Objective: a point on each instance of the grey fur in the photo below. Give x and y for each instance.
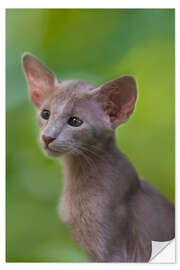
(112, 213)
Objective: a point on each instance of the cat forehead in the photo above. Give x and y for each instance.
(73, 89)
(69, 92)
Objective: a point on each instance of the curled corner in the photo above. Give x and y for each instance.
(163, 252)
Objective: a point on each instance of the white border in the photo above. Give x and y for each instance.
(71, 4)
(90, 4)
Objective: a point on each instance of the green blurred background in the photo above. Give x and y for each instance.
(94, 45)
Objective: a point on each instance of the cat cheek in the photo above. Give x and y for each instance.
(40, 140)
(42, 123)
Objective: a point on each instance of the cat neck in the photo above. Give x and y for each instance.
(100, 164)
(91, 157)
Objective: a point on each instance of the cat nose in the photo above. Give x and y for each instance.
(47, 139)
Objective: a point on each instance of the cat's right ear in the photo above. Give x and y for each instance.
(40, 80)
(117, 98)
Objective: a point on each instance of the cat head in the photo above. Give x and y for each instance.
(74, 115)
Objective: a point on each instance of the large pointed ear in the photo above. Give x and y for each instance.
(40, 80)
(117, 98)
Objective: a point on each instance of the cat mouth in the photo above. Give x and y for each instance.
(52, 152)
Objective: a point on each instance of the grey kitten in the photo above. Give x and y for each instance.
(112, 213)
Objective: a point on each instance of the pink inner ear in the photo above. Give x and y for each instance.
(118, 98)
(128, 107)
(112, 110)
(37, 88)
(36, 98)
(41, 81)
(35, 95)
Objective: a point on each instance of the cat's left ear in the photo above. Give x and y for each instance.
(40, 79)
(117, 98)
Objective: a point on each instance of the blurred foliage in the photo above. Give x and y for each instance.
(95, 45)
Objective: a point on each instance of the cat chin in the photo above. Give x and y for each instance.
(53, 153)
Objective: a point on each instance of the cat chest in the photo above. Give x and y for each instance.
(85, 219)
(77, 210)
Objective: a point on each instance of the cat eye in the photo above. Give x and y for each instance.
(45, 114)
(75, 121)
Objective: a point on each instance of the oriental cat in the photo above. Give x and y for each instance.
(112, 213)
